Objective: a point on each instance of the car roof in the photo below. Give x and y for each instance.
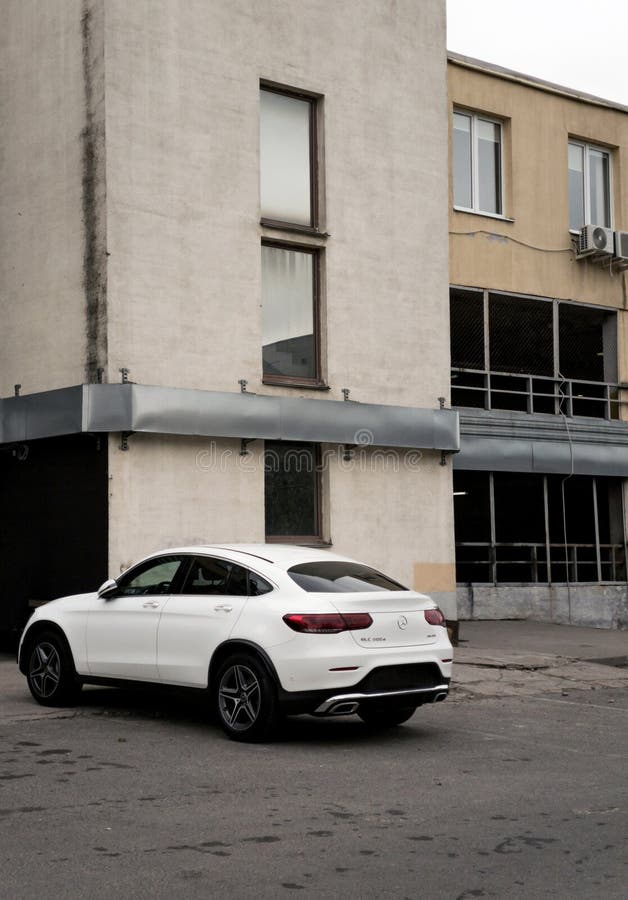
(283, 555)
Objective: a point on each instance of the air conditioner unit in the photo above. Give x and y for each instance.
(621, 244)
(595, 239)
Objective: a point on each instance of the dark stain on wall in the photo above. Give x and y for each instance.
(94, 190)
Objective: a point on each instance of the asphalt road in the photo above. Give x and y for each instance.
(480, 796)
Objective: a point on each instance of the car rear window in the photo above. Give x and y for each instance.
(339, 577)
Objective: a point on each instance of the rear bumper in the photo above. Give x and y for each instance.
(390, 687)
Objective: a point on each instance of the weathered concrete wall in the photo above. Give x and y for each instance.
(595, 605)
(131, 233)
(184, 233)
(51, 189)
(382, 506)
(183, 188)
(173, 491)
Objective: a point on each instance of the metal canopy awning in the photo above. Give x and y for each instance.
(164, 410)
(500, 441)
(498, 455)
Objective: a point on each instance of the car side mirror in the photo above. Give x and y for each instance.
(107, 586)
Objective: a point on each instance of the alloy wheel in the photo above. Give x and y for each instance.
(239, 697)
(45, 669)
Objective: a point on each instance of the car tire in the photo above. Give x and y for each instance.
(50, 674)
(385, 718)
(245, 699)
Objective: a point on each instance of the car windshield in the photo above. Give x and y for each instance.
(335, 576)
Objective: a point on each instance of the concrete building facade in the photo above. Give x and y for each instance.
(187, 358)
(539, 347)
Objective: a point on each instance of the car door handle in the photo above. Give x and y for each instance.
(223, 607)
(151, 604)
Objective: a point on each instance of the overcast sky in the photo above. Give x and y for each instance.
(582, 44)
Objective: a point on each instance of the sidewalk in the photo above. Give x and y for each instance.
(513, 657)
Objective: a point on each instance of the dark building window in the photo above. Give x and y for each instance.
(520, 335)
(528, 528)
(535, 356)
(292, 491)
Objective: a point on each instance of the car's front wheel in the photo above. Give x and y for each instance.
(385, 718)
(51, 677)
(246, 699)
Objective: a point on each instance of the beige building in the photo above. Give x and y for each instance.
(539, 347)
(223, 285)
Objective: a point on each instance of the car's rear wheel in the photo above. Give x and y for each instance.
(246, 699)
(385, 718)
(51, 677)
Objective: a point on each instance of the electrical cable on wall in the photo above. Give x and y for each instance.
(506, 237)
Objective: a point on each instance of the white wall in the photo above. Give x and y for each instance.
(173, 491)
(162, 238)
(184, 288)
(184, 285)
(43, 114)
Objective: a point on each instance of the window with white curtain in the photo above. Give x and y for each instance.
(589, 186)
(287, 142)
(477, 163)
(289, 313)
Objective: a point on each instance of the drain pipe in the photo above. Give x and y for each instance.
(562, 497)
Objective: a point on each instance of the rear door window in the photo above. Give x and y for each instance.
(258, 585)
(208, 575)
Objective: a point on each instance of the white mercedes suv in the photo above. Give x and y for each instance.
(266, 630)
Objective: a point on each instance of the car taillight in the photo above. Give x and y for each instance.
(327, 623)
(434, 616)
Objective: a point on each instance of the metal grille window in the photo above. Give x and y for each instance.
(532, 355)
(519, 528)
(520, 335)
(468, 352)
(292, 488)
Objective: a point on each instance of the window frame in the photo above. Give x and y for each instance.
(586, 147)
(316, 538)
(313, 100)
(475, 208)
(317, 380)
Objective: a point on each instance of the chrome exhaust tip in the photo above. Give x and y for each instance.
(439, 697)
(344, 708)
